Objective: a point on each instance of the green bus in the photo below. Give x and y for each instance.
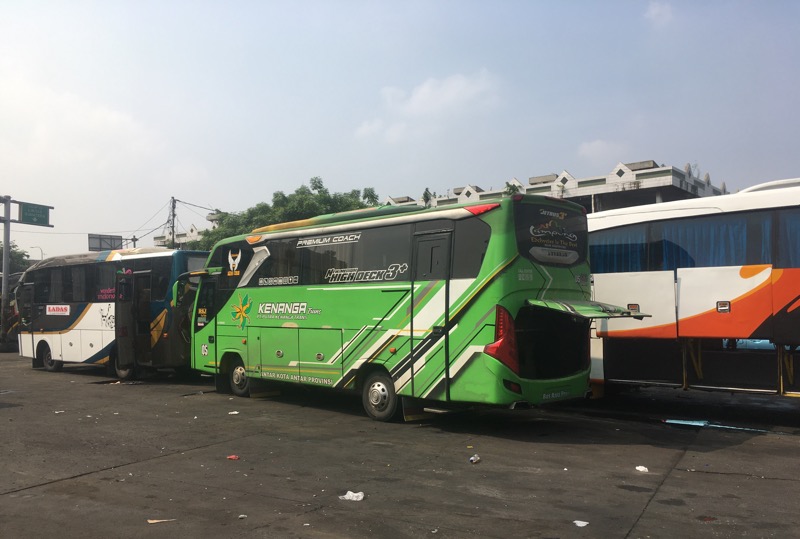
(482, 303)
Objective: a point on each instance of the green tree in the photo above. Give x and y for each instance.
(511, 189)
(370, 196)
(427, 196)
(19, 260)
(307, 201)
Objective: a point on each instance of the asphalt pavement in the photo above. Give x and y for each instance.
(86, 456)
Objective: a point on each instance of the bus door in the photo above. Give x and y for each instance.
(430, 317)
(26, 313)
(204, 331)
(132, 319)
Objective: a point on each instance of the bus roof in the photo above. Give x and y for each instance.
(779, 194)
(380, 212)
(100, 256)
(383, 215)
(341, 217)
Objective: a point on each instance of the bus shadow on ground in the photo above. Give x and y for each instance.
(572, 428)
(553, 424)
(664, 418)
(309, 397)
(688, 409)
(660, 417)
(98, 375)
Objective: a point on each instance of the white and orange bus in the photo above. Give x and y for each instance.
(720, 277)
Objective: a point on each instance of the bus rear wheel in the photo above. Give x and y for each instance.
(379, 398)
(123, 373)
(50, 364)
(240, 383)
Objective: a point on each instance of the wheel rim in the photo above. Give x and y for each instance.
(378, 396)
(239, 376)
(48, 359)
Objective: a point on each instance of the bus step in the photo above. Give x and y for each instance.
(436, 410)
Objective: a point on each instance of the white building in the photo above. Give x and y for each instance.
(628, 184)
(181, 238)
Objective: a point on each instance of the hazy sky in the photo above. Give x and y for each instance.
(109, 108)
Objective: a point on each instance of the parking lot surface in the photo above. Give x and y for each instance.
(86, 456)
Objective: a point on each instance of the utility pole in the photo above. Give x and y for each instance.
(172, 221)
(6, 263)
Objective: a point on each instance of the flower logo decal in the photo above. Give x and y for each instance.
(241, 312)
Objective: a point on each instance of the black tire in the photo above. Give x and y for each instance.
(123, 373)
(222, 383)
(49, 364)
(379, 398)
(239, 382)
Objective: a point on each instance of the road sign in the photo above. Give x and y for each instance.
(34, 214)
(102, 242)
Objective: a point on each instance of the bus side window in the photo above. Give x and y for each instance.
(205, 303)
(162, 269)
(469, 247)
(24, 304)
(41, 287)
(432, 260)
(56, 287)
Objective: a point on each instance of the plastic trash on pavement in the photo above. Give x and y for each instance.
(352, 496)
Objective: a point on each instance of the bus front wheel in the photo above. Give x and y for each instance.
(240, 383)
(50, 364)
(379, 398)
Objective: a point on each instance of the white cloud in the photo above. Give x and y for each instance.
(430, 105)
(602, 153)
(369, 128)
(453, 94)
(659, 13)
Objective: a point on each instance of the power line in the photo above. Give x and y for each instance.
(134, 239)
(195, 205)
(151, 218)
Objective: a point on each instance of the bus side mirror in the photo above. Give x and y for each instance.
(177, 292)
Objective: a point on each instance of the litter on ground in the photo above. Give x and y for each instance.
(352, 496)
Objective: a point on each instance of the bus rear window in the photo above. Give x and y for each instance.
(551, 235)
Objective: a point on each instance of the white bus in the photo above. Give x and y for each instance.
(110, 308)
(720, 277)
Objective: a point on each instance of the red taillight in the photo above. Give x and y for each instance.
(504, 347)
(483, 208)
